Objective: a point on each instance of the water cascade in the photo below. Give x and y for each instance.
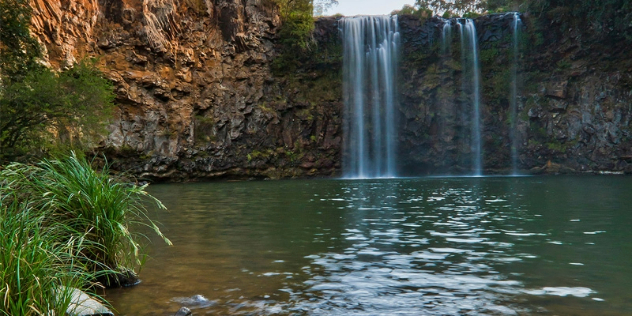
(446, 38)
(517, 23)
(447, 113)
(471, 66)
(371, 46)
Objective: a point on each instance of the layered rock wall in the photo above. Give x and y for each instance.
(574, 102)
(195, 92)
(202, 91)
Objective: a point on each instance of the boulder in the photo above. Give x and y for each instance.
(82, 304)
(183, 312)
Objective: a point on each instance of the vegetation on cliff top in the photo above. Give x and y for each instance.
(296, 35)
(607, 17)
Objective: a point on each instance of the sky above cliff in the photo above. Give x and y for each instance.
(368, 7)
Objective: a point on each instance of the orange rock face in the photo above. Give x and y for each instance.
(191, 80)
(65, 28)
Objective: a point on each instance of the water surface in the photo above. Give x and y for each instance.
(440, 246)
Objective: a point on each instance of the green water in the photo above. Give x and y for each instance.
(437, 246)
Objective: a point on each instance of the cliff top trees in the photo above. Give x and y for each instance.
(298, 22)
(308, 7)
(296, 32)
(41, 109)
(320, 6)
(452, 7)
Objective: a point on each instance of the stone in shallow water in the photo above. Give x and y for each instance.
(183, 312)
(83, 305)
(195, 301)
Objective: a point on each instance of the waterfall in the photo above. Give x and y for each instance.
(446, 38)
(469, 44)
(371, 47)
(446, 111)
(514, 94)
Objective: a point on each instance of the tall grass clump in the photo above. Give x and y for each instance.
(36, 270)
(80, 203)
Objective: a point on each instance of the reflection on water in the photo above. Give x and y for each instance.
(463, 246)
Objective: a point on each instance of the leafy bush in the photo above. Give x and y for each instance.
(45, 110)
(296, 34)
(421, 12)
(297, 29)
(453, 6)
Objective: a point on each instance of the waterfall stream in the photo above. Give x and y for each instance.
(514, 94)
(371, 47)
(446, 38)
(472, 84)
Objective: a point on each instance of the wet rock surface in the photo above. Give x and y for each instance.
(81, 304)
(183, 312)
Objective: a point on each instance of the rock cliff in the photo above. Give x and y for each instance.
(574, 102)
(202, 94)
(195, 92)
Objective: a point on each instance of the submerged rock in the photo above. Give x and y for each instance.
(183, 312)
(120, 279)
(195, 301)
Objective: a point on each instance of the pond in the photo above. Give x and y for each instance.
(423, 246)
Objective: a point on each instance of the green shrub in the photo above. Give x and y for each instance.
(471, 15)
(46, 110)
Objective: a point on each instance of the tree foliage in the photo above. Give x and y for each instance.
(297, 29)
(308, 7)
(601, 18)
(321, 6)
(452, 7)
(39, 108)
(298, 20)
(18, 50)
(44, 108)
